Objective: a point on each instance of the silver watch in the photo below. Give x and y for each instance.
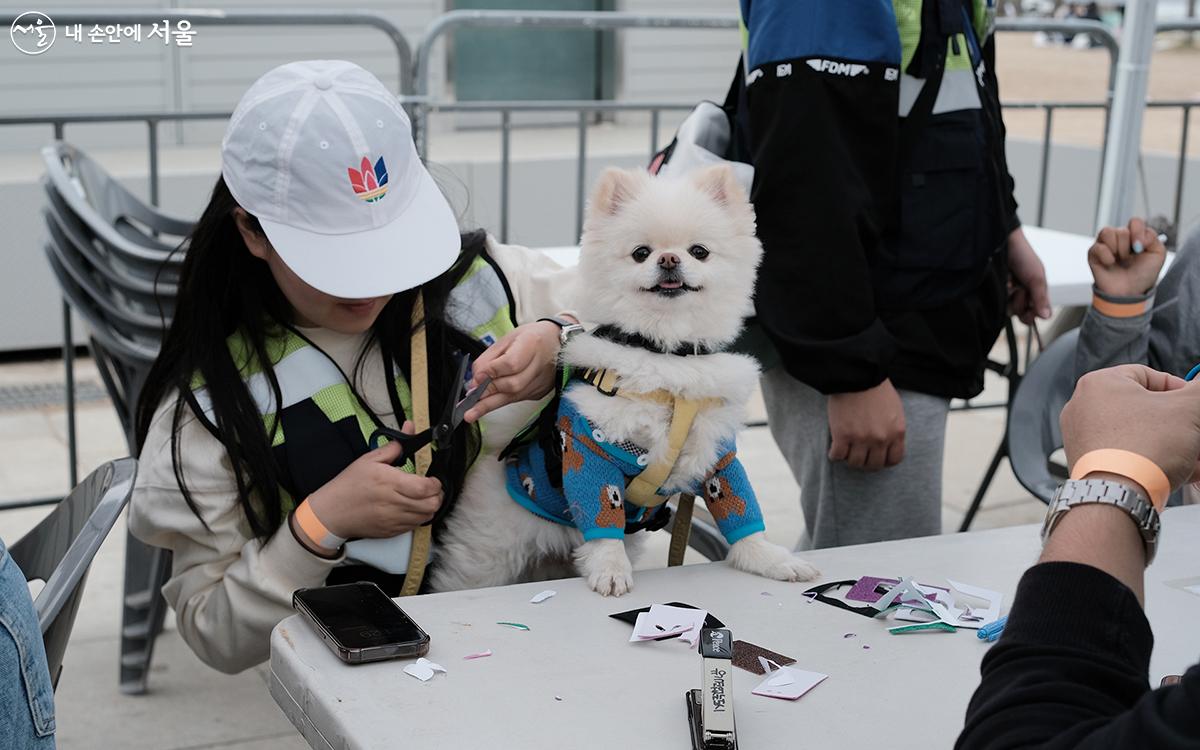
(566, 329)
(1074, 492)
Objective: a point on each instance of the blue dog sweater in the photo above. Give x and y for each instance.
(595, 472)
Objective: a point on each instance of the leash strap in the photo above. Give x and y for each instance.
(422, 536)
(643, 489)
(681, 530)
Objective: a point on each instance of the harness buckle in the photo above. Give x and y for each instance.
(653, 520)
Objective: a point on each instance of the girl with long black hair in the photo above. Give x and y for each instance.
(326, 294)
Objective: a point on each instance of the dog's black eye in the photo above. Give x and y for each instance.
(699, 252)
(640, 253)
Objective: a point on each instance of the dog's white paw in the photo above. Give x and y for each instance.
(605, 566)
(755, 554)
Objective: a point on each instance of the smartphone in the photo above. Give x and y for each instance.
(360, 623)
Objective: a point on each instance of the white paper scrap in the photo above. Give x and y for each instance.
(542, 596)
(788, 683)
(663, 620)
(423, 669)
(977, 606)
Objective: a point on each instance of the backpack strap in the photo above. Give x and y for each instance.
(422, 536)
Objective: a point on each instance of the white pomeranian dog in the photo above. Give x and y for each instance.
(666, 276)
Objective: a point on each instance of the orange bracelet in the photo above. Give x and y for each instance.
(1133, 466)
(1119, 309)
(314, 529)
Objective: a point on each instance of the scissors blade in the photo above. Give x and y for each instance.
(469, 400)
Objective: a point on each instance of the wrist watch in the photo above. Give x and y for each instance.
(566, 329)
(1075, 492)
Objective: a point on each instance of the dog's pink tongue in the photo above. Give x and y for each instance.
(670, 284)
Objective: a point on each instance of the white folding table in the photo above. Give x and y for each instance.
(904, 691)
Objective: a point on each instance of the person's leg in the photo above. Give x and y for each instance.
(26, 692)
(846, 506)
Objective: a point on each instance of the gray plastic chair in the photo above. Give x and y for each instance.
(117, 265)
(59, 550)
(1033, 431)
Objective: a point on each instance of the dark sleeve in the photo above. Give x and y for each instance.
(1009, 186)
(1071, 671)
(822, 121)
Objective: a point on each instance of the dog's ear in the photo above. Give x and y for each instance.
(615, 188)
(720, 182)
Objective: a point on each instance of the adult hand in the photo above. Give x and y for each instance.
(1118, 270)
(1134, 408)
(373, 499)
(1028, 296)
(867, 428)
(521, 365)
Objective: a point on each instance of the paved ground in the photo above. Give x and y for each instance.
(191, 706)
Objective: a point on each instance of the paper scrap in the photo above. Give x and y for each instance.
(542, 596)
(782, 677)
(479, 654)
(753, 658)
(514, 625)
(922, 627)
(979, 606)
(871, 588)
(1189, 585)
(788, 683)
(423, 669)
(662, 621)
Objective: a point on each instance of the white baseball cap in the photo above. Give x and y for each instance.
(322, 154)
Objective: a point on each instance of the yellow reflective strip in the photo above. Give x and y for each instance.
(908, 23)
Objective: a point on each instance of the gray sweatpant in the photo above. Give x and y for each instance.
(847, 506)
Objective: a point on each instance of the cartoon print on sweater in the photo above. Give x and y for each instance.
(529, 485)
(719, 495)
(596, 470)
(612, 508)
(572, 459)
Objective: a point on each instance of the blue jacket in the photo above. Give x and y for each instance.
(594, 475)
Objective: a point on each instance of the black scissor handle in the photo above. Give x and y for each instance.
(409, 444)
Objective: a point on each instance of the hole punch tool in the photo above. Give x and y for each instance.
(440, 433)
(710, 709)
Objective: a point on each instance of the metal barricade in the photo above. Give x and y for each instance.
(545, 20)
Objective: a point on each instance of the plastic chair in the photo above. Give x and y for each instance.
(116, 263)
(59, 550)
(1033, 430)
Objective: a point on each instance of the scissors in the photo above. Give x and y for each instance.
(441, 433)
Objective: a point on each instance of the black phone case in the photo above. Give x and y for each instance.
(382, 652)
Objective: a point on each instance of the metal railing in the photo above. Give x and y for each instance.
(152, 120)
(445, 25)
(415, 77)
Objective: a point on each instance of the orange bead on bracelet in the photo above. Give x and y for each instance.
(1133, 466)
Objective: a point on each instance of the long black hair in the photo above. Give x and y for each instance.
(223, 290)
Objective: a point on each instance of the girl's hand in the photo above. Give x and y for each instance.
(1117, 269)
(521, 366)
(374, 500)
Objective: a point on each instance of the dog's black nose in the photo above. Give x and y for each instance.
(668, 261)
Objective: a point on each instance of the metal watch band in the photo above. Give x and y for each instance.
(566, 329)
(1076, 492)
